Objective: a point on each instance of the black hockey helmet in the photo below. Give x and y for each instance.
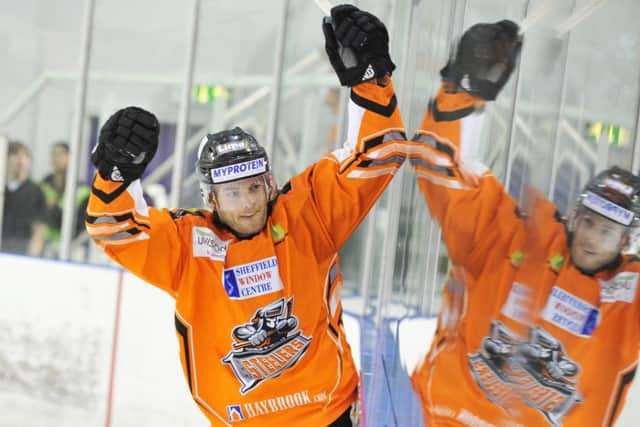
(230, 155)
(615, 194)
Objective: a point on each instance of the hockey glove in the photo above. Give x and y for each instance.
(126, 144)
(357, 44)
(484, 60)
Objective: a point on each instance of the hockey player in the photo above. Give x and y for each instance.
(547, 327)
(256, 277)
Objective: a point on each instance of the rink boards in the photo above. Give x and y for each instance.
(94, 346)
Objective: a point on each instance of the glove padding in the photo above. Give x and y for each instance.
(357, 44)
(485, 58)
(126, 144)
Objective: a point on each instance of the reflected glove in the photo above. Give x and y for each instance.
(357, 44)
(484, 59)
(126, 144)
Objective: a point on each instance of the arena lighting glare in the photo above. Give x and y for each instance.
(614, 134)
(207, 94)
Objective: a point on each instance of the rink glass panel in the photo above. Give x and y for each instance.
(233, 73)
(599, 122)
(41, 47)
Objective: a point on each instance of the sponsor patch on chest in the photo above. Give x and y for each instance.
(571, 313)
(621, 288)
(253, 279)
(207, 244)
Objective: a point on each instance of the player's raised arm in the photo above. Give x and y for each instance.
(142, 239)
(346, 183)
(464, 196)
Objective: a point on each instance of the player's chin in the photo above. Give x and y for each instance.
(251, 225)
(589, 262)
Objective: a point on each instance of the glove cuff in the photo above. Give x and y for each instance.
(374, 69)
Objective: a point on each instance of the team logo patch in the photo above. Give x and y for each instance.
(568, 312)
(239, 170)
(621, 288)
(234, 413)
(536, 372)
(267, 345)
(208, 245)
(253, 279)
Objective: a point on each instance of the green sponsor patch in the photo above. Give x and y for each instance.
(277, 232)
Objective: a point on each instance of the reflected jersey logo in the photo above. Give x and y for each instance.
(536, 372)
(622, 288)
(518, 304)
(568, 312)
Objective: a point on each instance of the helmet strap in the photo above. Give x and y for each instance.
(213, 201)
(572, 219)
(270, 183)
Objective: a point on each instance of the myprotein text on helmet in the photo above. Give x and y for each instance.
(239, 170)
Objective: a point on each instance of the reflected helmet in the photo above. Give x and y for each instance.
(615, 194)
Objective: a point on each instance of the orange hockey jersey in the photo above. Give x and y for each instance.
(524, 338)
(259, 321)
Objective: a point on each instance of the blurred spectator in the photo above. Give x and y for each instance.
(53, 186)
(23, 226)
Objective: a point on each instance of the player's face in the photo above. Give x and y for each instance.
(596, 241)
(242, 204)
